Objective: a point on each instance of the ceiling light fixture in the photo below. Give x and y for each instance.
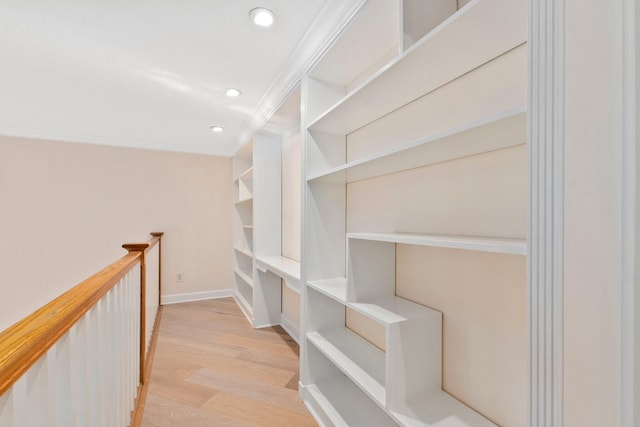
(216, 129)
(262, 17)
(232, 93)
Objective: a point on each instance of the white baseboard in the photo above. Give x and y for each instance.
(290, 327)
(195, 296)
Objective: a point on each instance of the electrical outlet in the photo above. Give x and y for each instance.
(179, 277)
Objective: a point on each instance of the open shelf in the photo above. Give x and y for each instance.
(357, 358)
(286, 268)
(244, 252)
(356, 54)
(345, 405)
(501, 130)
(244, 277)
(392, 310)
(438, 409)
(504, 246)
(246, 308)
(247, 201)
(246, 175)
(333, 288)
(247, 227)
(477, 33)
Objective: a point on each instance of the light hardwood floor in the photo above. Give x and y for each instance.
(212, 369)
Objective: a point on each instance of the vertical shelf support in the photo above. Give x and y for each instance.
(546, 228)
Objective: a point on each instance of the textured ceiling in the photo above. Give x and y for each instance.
(143, 73)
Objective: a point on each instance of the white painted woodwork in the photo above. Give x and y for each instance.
(488, 90)
(90, 376)
(477, 33)
(333, 288)
(494, 132)
(504, 246)
(245, 278)
(363, 363)
(287, 269)
(336, 401)
(372, 32)
(244, 252)
(242, 222)
(546, 212)
(403, 158)
(267, 233)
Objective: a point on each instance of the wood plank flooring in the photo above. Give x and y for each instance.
(212, 369)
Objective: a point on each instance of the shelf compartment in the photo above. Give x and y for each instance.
(244, 252)
(356, 54)
(358, 359)
(246, 175)
(248, 201)
(336, 399)
(504, 246)
(438, 409)
(478, 33)
(244, 305)
(389, 311)
(345, 405)
(245, 277)
(333, 288)
(286, 268)
(505, 129)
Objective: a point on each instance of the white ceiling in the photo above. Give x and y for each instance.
(152, 74)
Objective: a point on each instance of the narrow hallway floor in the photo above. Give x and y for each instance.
(212, 369)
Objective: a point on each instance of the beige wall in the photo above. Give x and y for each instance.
(66, 209)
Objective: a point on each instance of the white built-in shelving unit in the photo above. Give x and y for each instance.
(266, 203)
(409, 92)
(243, 228)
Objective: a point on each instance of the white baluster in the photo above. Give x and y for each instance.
(78, 354)
(37, 404)
(59, 370)
(6, 408)
(92, 378)
(20, 404)
(117, 351)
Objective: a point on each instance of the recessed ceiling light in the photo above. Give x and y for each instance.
(231, 92)
(216, 129)
(262, 17)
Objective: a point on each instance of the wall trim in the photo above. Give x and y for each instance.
(290, 327)
(195, 296)
(546, 223)
(329, 23)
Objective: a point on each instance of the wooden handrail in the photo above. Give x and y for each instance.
(157, 238)
(24, 343)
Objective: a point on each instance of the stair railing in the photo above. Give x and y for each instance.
(80, 360)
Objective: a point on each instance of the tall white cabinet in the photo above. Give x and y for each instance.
(413, 243)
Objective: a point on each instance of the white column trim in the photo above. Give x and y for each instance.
(546, 228)
(630, 299)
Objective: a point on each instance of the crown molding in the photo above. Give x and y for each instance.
(329, 23)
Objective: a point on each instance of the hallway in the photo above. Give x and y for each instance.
(211, 369)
